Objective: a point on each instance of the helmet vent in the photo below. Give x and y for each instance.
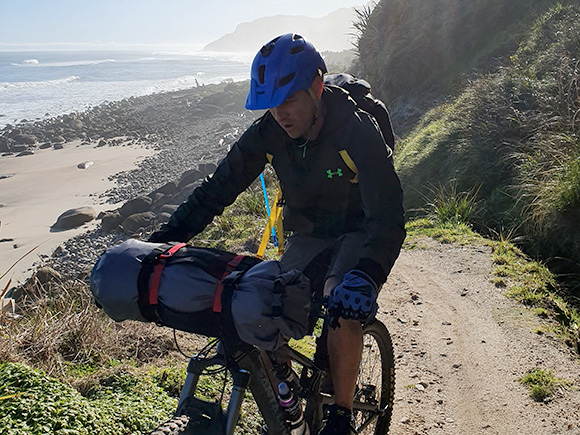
(296, 50)
(261, 73)
(287, 79)
(269, 47)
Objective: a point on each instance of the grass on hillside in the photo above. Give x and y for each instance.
(524, 279)
(514, 134)
(415, 52)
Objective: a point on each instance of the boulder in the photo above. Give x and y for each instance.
(161, 200)
(25, 153)
(184, 193)
(75, 217)
(111, 220)
(137, 221)
(165, 189)
(137, 205)
(168, 208)
(18, 148)
(26, 139)
(207, 168)
(47, 274)
(189, 177)
(163, 218)
(85, 165)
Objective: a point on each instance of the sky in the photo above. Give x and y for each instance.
(34, 24)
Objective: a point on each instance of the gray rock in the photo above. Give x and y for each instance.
(163, 200)
(18, 148)
(163, 217)
(25, 153)
(75, 218)
(137, 221)
(189, 177)
(207, 168)
(26, 139)
(111, 220)
(47, 274)
(169, 187)
(168, 208)
(137, 205)
(85, 165)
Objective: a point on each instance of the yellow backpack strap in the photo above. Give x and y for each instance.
(279, 226)
(350, 163)
(269, 157)
(274, 221)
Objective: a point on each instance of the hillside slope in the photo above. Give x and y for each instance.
(509, 136)
(417, 52)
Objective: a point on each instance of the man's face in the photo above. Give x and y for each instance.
(295, 114)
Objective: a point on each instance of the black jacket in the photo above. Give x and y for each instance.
(320, 198)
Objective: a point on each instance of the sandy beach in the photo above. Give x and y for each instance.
(128, 149)
(40, 187)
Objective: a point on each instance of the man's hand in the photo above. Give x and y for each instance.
(355, 298)
(166, 234)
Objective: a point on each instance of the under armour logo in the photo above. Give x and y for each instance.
(330, 174)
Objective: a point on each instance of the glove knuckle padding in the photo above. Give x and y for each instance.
(355, 298)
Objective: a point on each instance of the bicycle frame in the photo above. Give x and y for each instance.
(241, 367)
(254, 369)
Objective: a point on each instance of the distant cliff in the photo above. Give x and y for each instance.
(330, 33)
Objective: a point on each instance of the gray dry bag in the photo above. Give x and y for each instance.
(183, 287)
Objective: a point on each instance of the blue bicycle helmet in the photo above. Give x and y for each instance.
(283, 66)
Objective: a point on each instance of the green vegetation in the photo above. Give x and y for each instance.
(240, 228)
(416, 52)
(524, 279)
(542, 384)
(508, 137)
(36, 404)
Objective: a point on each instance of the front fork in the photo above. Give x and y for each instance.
(241, 380)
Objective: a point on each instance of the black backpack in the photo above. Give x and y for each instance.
(360, 91)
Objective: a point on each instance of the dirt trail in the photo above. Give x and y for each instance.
(461, 347)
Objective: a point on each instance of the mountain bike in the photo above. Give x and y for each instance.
(245, 367)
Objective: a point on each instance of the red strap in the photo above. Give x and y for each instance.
(158, 270)
(231, 266)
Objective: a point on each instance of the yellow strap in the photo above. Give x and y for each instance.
(275, 220)
(350, 163)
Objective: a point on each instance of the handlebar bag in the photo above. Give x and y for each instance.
(180, 286)
(270, 305)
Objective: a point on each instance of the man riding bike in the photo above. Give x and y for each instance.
(342, 198)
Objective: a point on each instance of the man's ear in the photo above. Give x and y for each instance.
(317, 86)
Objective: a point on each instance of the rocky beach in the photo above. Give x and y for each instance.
(73, 185)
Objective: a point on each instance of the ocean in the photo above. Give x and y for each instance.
(37, 85)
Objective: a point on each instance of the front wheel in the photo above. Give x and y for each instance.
(375, 387)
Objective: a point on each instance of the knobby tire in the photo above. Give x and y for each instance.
(376, 380)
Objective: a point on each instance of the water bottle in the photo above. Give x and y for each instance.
(293, 410)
